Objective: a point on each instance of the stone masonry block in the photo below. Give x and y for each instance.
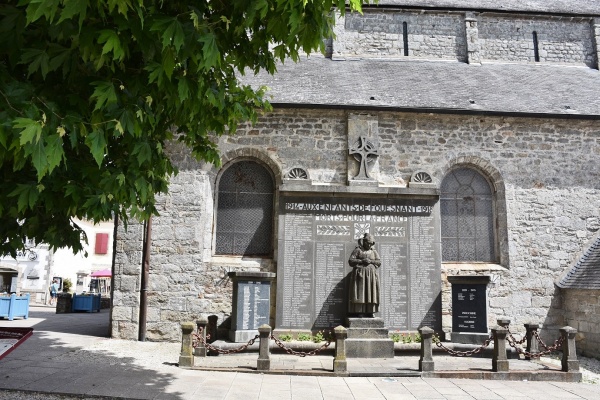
(121, 313)
(521, 299)
(129, 283)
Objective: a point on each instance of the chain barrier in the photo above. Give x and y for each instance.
(511, 337)
(514, 343)
(541, 342)
(549, 349)
(457, 353)
(300, 353)
(198, 338)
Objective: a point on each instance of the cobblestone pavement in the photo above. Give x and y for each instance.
(70, 357)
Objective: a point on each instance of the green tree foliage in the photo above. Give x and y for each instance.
(92, 90)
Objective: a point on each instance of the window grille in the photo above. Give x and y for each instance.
(245, 211)
(467, 216)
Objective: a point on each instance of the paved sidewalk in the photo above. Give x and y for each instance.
(70, 354)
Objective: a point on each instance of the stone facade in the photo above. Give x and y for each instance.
(559, 40)
(547, 207)
(538, 152)
(582, 308)
(466, 37)
(376, 34)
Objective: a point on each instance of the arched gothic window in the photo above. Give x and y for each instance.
(467, 213)
(244, 223)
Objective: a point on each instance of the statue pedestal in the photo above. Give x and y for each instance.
(367, 338)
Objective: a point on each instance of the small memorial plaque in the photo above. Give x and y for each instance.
(251, 300)
(469, 304)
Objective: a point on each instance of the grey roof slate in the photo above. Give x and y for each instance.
(585, 7)
(585, 274)
(453, 87)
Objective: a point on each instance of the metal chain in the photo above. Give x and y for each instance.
(198, 338)
(300, 353)
(541, 342)
(510, 335)
(469, 353)
(549, 349)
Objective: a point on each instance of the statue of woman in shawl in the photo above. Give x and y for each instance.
(364, 279)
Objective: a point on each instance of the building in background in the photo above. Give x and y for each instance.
(29, 272)
(33, 271)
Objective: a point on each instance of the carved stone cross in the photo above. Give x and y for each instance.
(365, 153)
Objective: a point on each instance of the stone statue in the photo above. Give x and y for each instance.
(364, 279)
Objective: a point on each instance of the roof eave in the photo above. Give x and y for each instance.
(435, 110)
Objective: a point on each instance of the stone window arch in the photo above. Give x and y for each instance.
(244, 212)
(467, 207)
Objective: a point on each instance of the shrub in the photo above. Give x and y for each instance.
(405, 337)
(285, 337)
(318, 337)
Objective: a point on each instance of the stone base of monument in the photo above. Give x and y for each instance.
(242, 336)
(468, 337)
(367, 338)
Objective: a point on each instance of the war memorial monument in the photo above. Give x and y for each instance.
(462, 136)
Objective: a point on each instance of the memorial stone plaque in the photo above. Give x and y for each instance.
(469, 304)
(251, 303)
(317, 236)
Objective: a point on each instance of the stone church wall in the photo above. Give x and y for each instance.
(492, 37)
(429, 35)
(582, 309)
(544, 171)
(559, 40)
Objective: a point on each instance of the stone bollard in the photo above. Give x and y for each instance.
(340, 363)
(426, 363)
(499, 360)
(186, 358)
(503, 322)
(264, 361)
(200, 350)
(532, 343)
(212, 328)
(569, 358)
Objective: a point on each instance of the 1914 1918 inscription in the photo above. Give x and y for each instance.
(469, 304)
(318, 234)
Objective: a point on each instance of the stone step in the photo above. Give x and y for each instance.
(365, 323)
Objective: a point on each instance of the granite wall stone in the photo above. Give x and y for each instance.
(560, 40)
(544, 172)
(380, 34)
(582, 312)
(466, 37)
